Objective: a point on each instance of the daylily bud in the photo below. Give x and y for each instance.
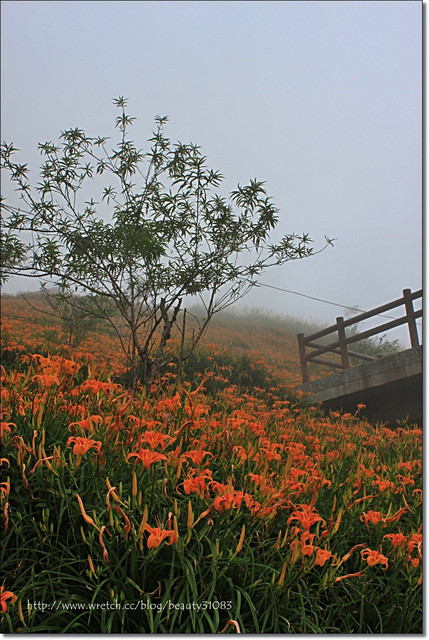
(240, 542)
(282, 575)
(91, 565)
(190, 520)
(143, 522)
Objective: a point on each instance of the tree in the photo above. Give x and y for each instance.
(376, 346)
(157, 232)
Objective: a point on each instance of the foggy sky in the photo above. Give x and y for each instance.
(322, 100)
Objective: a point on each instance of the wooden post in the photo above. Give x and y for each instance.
(304, 364)
(409, 312)
(342, 343)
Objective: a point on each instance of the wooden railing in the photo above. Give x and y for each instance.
(340, 346)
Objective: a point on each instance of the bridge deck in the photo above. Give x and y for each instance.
(391, 388)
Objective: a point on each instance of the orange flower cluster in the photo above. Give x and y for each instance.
(157, 535)
(374, 557)
(268, 463)
(82, 446)
(6, 595)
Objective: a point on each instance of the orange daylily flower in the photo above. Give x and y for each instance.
(157, 535)
(154, 439)
(396, 539)
(307, 549)
(322, 556)
(404, 480)
(147, 457)
(6, 595)
(383, 485)
(241, 453)
(374, 557)
(197, 484)
(271, 455)
(306, 516)
(95, 386)
(82, 446)
(224, 503)
(87, 424)
(415, 540)
(306, 543)
(172, 403)
(374, 517)
(197, 455)
(48, 379)
(294, 545)
(5, 427)
(229, 500)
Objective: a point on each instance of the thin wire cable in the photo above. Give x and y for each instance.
(335, 304)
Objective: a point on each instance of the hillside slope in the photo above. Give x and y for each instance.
(269, 338)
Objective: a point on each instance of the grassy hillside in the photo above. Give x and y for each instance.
(218, 503)
(268, 337)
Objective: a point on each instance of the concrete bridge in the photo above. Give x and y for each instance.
(391, 386)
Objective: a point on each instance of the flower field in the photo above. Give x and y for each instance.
(205, 506)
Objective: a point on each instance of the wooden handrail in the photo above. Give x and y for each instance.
(340, 346)
(352, 354)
